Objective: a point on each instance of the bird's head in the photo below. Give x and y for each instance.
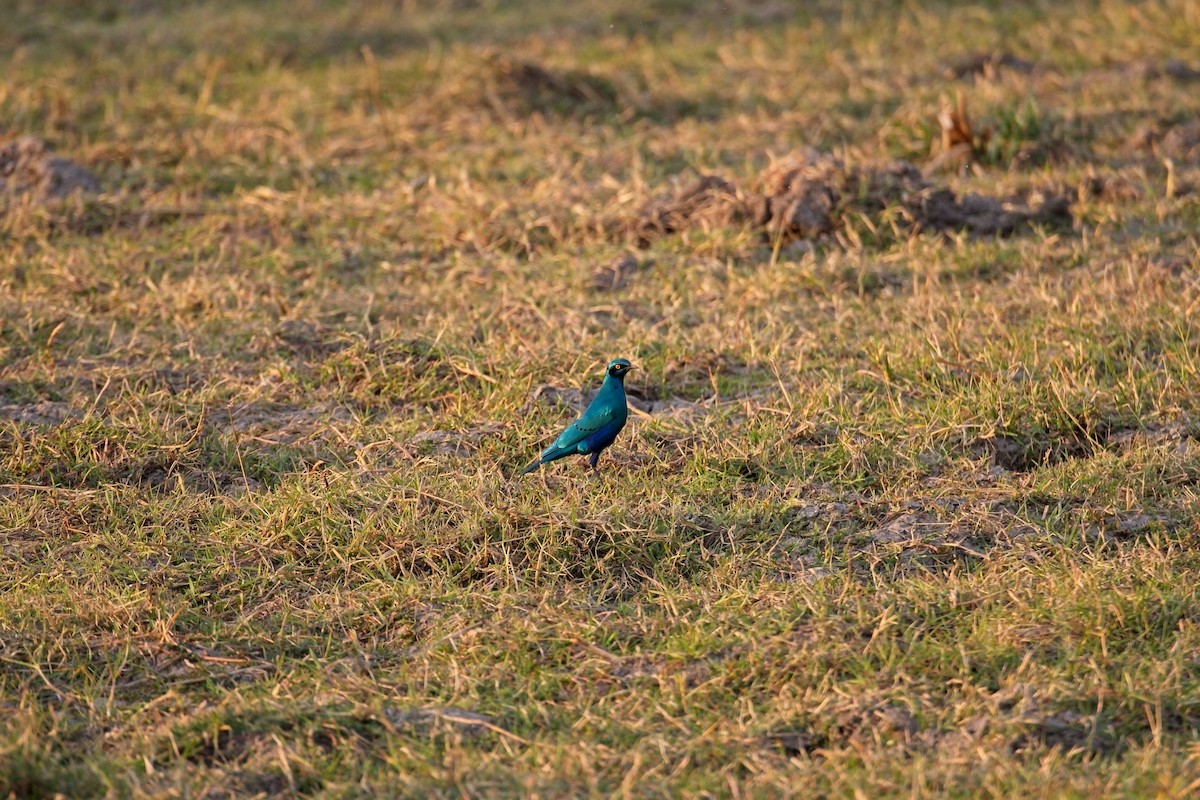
(618, 368)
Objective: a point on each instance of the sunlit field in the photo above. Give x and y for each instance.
(908, 501)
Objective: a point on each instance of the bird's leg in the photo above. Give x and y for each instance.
(592, 461)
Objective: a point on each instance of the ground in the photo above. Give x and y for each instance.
(908, 504)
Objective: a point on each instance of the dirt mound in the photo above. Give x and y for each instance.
(942, 210)
(812, 194)
(29, 168)
(806, 197)
(1181, 141)
(528, 86)
(709, 201)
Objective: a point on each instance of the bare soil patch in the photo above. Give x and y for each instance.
(987, 65)
(29, 168)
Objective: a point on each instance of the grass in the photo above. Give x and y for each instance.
(909, 514)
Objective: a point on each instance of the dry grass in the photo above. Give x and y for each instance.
(906, 510)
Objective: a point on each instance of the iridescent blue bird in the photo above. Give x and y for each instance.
(598, 426)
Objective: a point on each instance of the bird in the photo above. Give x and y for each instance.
(598, 426)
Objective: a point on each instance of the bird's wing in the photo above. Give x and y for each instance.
(592, 420)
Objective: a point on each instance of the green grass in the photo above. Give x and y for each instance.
(910, 515)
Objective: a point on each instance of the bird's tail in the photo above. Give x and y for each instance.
(549, 454)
